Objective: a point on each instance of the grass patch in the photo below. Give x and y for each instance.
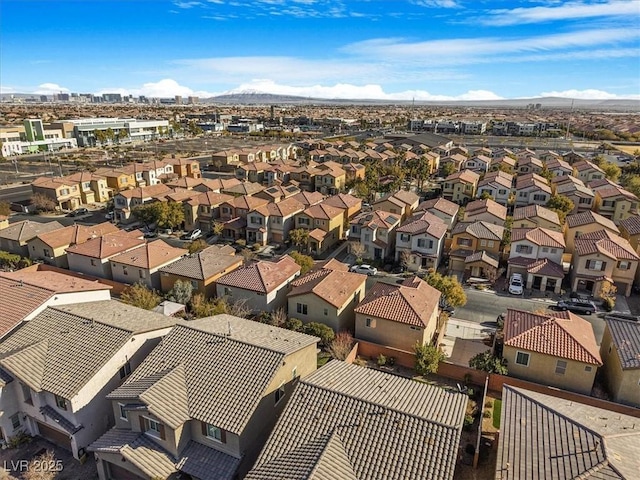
(323, 357)
(497, 410)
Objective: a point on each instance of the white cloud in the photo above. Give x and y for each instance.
(588, 94)
(187, 5)
(437, 3)
(50, 89)
(564, 11)
(164, 88)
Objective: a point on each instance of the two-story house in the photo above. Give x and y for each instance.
(529, 164)
(325, 224)
(277, 193)
(185, 167)
(118, 179)
(309, 198)
(349, 204)
(452, 163)
(531, 189)
(537, 253)
(50, 247)
(587, 171)
(328, 294)
(253, 172)
(533, 216)
(125, 201)
(572, 188)
(65, 193)
(401, 203)
(141, 264)
(503, 163)
(613, 201)
(93, 188)
(460, 187)
(586, 222)
(478, 163)
(262, 285)
(569, 362)
(600, 257)
(470, 237)
(485, 210)
(399, 316)
(204, 401)
(558, 167)
(15, 237)
(376, 232)
(620, 352)
(272, 222)
(498, 185)
(203, 210)
(420, 241)
(57, 366)
(630, 231)
(233, 214)
(442, 208)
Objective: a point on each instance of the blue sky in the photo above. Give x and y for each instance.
(385, 49)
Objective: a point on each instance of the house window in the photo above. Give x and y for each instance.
(370, 323)
(413, 327)
(93, 262)
(587, 368)
(326, 312)
(125, 370)
(301, 308)
(624, 265)
(545, 249)
(194, 284)
(294, 373)
(141, 273)
(404, 237)
(465, 242)
(522, 358)
(61, 403)
(227, 291)
(15, 420)
(123, 412)
(26, 394)
(483, 243)
(561, 367)
(125, 271)
(524, 249)
(280, 393)
(596, 265)
(490, 243)
(539, 198)
(152, 427)
(213, 432)
(554, 250)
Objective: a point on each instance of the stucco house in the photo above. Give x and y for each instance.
(262, 285)
(420, 241)
(478, 163)
(460, 187)
(585, 222)
(471, 237)
(442, 208)
(582, 196)
(349, 204)
(58, 365)
(401, 203)
(485, 210)
(375, 231)
(328, 294)
(613, 201)
(630, 231)
(325, 225)
(620, 352)
(569, 362)
(498, 185)
(204, 400)
(587, 171)
(531, 189)
(14, 238)
(533, 216)
(399, 316)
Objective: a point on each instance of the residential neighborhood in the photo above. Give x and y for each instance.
(395, 306)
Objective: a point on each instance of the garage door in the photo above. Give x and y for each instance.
(118, 473)
(58, 437)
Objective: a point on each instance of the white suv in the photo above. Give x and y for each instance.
(516, 286)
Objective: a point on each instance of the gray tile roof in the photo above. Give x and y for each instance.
(626, 337)
(545, 437)
(59, 351)
(66, 425)
(345, 421)
(204, 462)
(224, 378)
(26, 230)
(479, 229)
(203, 265)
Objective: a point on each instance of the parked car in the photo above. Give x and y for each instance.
(577, 305)
(78, 212)
(192, 235)
(109, 215)
(364, 269)
(516, 285)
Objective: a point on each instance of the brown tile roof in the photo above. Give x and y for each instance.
(542, 266)
(466, 176)
(589, 217)
(335, 287)
(261, 276)
(585, 165)
(343, 201)
(26, 230)
(204, 264)
(424, 222)
(501, 178)
(406, 197)
(480, 229)
(211, 198)
(323, 211)
(631, 225)
(561, 334)
(149, 191)
(606, 243)
(615, 191)
(532, 211)
(106, 246)
(540, 236)
(56, 282)
(482, 256)
(309, 198)
(478, 207)
(626, 337)
(413, 302)
(245, 188)
(75, 234)
(283, 208)
(25, 299)
(247, 202)
(440, 204)
(376, 219)
(150, 255)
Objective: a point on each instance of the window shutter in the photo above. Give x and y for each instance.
(162, 432)
(223, 436)
(141, 418)
(604, 265)
(588, 264)
(204, 429)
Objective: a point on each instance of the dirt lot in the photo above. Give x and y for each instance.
(70, 468)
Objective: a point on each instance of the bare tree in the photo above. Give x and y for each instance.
(279, 318)
(341, 346)
(357, 249)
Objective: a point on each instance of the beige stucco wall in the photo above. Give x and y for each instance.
(82, 264)
(536, 222)
(37, 252)
(623, 385)
(541, 369)
(570, 234)
(394, 334)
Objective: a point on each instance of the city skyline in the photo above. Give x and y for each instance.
(418, 49)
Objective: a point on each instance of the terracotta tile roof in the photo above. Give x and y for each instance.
(480, 229)
(631, 225)
(56, 282)
(466, 176)
(309, 198)
(482, 256)
(332, 264)
(245, 188)
(143, 193)
(106, 246)
(606, 243)
(25, 299)
(247, 202)
(412, 303)
(343, 201)
(150, 255)
(323, 211)
(75, 234)
(615, 191)
(335, 287)
(440, 204)
(376, 219)
(562, 335)
(26, 230)
(532, 211)
(424, 222)
(204, 264)
(478, 207)
(532, 180)
(318, 234)
(211, 199)
(589, 217)
(283, 208)
(406, 197)
(626, 338)
(261, 276)
(569, 188)
(498, 177)
(540, 236)
(585, 165)
(542, 266)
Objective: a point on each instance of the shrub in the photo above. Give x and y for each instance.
(256, 247)
(242, 242)
(608, 303)
(428, 357)
(382, 360)
(486, 414)
(341, 346)
(293, 324)
(140, 296)
(391, 361)
(488, 404)
(468, 422)
(321, 331)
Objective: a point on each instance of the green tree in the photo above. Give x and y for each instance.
(488, 363)
(217, 228)
(198, 245)
(486, 196)
(428, 357)
(320, 330)
(450, 287)
(181, 292)
(122, 134)
(299, 237)
(447, 169)
(164, 214)
(506, 236)
(611, 171)
(561, 205)
(140, 296)
(546, 173)
(632, 184)
(305, 261)
(5, 209)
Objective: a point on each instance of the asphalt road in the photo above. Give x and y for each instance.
(15, 194)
